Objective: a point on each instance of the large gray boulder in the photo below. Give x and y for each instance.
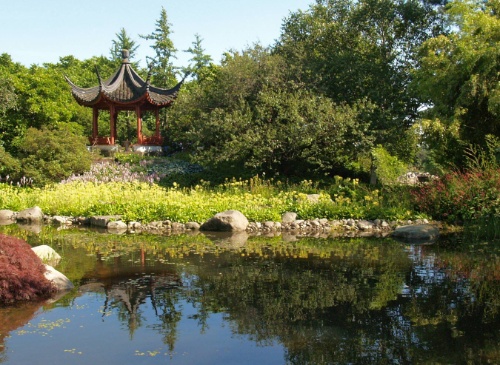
(59, 280)
(228, 221)
(30, 215)
(47, 254)
(416, 233)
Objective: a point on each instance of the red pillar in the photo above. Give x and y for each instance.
(112, 124)
(95, 127)
(139, 124)
(157, 132)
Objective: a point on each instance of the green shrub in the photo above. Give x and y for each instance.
(9, 166)
(388, 168)
(49, 156)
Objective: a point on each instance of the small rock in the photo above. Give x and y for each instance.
(288, 217)
(134, 225)
(7, 215)
(350, 222)
(313, 198)
(103, 220)
(177, 227)
(268, 224)
(193, 226)
(62, 221)
(365, 225)
(117, 226)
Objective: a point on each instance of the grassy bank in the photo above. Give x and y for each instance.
(257, 198)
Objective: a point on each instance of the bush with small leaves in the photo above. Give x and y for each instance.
(21, 272)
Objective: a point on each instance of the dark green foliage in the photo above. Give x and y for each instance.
(388, 168)
(8, 97)
(250, 116)
(356, 51)
(43, 98)
(200, 60)
(49, 156)
(9, 166)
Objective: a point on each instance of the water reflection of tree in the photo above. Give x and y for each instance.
(307, 304)
(167, 310)
(127, 295)
(13, 317)
(353, 306)
(337, 301)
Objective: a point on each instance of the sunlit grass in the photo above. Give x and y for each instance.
(258, 199)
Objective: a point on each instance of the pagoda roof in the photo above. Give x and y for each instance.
(125, 89)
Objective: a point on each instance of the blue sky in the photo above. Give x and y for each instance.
(39, 31)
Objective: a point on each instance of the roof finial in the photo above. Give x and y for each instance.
(150, 72)
(125, 55)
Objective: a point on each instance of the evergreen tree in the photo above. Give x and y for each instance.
(200, 60)
(163, 71)
(123, 41)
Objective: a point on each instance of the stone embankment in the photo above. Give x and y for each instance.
(234, 221)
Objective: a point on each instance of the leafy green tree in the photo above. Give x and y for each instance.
(459, 78)
(361, 50)
(252, 115)
(11, 76)
(232, 85)
(8, 97)
(43, 98)
(163, 71)
(388, 168)
(122, 41)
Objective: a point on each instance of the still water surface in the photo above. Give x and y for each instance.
(205, 300)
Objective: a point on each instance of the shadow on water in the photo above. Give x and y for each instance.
(219, 298)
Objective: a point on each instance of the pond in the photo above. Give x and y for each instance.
(198, 299)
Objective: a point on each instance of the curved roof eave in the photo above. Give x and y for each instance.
(84, 96)
(125, 88)
(163, 97)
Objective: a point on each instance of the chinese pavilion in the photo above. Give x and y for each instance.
(125, 90)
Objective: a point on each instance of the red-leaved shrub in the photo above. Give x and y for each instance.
(21, 272)
(461, 196)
